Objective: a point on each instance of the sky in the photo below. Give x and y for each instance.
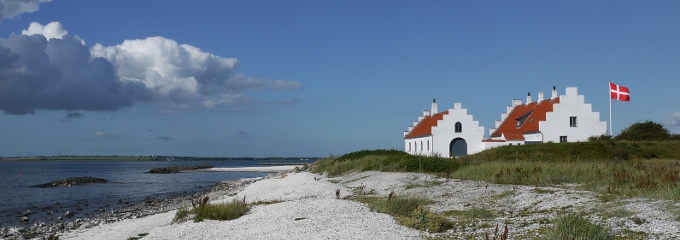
(312, 78)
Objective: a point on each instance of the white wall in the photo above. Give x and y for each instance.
(419, 146)
(444, 132)
(557, 121)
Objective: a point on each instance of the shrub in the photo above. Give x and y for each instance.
(646, 131)
(222, 211)
(574, 226)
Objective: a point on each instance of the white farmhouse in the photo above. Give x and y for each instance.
(451, 133)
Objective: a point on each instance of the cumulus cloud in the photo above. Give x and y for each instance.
(12, 8)
(48, 68)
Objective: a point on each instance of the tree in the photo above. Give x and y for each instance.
(645, 131)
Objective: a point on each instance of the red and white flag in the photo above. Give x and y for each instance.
(619, 92)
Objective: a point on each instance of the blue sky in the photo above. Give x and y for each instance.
(311, 78)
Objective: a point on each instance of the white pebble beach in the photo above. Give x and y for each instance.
(303, 205)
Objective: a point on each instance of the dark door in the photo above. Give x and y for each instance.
(458, 147)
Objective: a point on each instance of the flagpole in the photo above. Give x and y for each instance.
(611, 133)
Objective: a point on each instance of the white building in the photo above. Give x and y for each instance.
(566, 118)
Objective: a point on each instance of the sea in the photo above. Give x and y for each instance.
(128, 183)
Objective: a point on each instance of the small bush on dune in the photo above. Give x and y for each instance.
(574, 226)
(222, 211)
(411, 212)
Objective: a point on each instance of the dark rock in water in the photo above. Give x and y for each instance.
(72, 181)
(179, 168)
(69, 214)
(23, 219)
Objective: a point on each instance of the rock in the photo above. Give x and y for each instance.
(71, 181)
(69, 214)
(23, 219)
(179, 168)
(59, 226)
(27, 212)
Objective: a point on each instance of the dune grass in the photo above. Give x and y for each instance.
(573, 226)
(618, 168)
(220, 211)
(410, 212)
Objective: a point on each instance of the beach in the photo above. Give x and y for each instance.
(303, 205)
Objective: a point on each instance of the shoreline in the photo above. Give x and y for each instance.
(152, 206)
(267, 169)
(301, 204)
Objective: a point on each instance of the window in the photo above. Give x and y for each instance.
(409, 147)
(458, 127)
(522, 119)
(573, 122)
(421, 146)
(563, 139)
(428, 145)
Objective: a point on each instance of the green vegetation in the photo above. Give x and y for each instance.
(473, 213)
(411, 212)
(613, 167)
(139, 236)
(222, 211)
(620, 168)
(644, 131)
(383, 160)
(573, 226)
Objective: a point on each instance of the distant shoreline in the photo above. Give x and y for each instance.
(267, 169)
(290, 160)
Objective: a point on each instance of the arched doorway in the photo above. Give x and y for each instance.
(457, 147)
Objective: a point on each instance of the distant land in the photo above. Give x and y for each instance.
(149, 158)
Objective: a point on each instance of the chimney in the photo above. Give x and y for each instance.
(516, 102)
(434, 107)
(554, 93)
(540, 97)
(528, 98)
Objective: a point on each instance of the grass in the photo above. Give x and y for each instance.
(573, 226)
(383, 160)
(618, 168)
(139, 236)
(472, 213)
(613, 169)
(221, 211)
(410, 212)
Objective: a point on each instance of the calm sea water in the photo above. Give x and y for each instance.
(127, 182)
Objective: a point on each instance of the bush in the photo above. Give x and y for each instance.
(411, 212)
(574, 226)
(646, 131)
(222, 211)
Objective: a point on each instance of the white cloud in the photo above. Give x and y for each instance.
(674, 120)
(183, 73)
(48, 68)
(13, 8)
(53, 30)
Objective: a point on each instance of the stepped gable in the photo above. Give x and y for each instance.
(424, 127)
(529, 114)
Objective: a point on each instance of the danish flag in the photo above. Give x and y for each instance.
(619, 92)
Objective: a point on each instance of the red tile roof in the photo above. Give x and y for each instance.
(424, 127)
(533, 113)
